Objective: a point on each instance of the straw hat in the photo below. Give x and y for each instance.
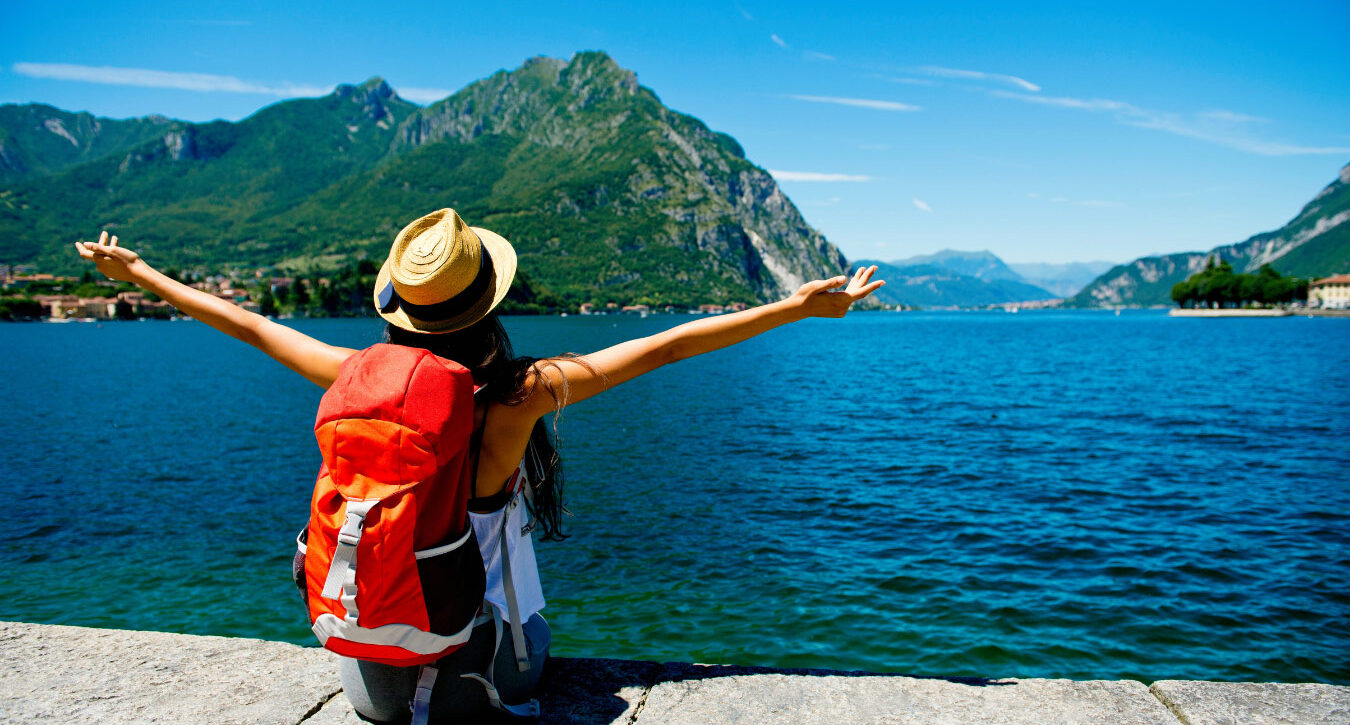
(443, 275)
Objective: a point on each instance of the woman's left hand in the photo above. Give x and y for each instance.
(816, 299)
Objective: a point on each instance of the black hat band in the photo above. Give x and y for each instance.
(389, 299)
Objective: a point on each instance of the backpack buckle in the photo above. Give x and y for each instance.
(350, 533)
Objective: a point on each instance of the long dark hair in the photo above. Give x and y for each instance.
(485, 350)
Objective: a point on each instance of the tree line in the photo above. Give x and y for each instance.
(1218, 286)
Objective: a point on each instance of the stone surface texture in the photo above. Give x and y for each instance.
(1254, 703)
(708, 694)
(51, 673)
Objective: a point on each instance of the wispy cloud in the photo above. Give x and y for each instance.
(145, 78)
(423, 95)
(817, 176)
(778, 41)
(858, 102)
(817, 55)
(1219, 114)
(906, 81)
(922, 206)
(744, 13)
(1082, 104)
(1224, 128)
(975, 75)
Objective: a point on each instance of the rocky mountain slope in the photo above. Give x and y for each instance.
(605, 192)
(1316, 243)
(953, 278)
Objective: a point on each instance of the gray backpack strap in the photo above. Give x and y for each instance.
(509, 588)
(421, 704)
(528, 709)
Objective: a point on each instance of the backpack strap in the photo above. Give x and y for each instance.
(529, 709)
(509, 589)
(421, 703)
(341, 581)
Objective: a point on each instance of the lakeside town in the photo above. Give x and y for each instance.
(27, 294)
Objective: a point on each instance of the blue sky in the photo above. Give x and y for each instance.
(1039, 131)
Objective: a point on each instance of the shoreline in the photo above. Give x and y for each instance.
(86, 675)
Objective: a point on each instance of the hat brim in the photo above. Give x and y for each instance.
(503, 269)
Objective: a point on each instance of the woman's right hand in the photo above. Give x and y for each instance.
(817, 299)
(113, 261)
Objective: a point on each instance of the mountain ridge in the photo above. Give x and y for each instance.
(1315, 243)
(605, 192)
(953, 278)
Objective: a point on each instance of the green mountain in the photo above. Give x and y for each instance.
(36, 139)
(605, 192)
(1316, 243)
(938, 285)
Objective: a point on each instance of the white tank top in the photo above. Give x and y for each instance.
(487, 527)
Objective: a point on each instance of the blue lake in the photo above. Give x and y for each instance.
(1058, 494)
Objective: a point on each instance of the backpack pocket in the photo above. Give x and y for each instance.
(452, 582)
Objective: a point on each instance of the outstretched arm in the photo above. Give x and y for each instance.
(576, 379)
(318, 362)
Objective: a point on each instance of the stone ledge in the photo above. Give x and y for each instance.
(1239, 703)
(82, 675)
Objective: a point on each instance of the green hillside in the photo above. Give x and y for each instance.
(606, 193)
(1316, 243)
(37, 139)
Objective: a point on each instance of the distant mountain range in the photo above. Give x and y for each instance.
(606, 194)
(1316, 243)
(954, 278)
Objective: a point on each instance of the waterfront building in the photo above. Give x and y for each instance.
(1331, 293)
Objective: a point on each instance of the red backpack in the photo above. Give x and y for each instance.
(392, 572)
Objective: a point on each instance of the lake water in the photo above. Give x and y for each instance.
(1059, 494)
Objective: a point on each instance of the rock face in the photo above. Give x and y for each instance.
(607, 194)
(626, 171)
(1316, 243)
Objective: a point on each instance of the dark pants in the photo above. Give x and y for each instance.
(383, 693)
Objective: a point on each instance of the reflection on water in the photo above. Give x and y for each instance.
(1052, 494)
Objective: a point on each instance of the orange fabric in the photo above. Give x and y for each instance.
(394, 426)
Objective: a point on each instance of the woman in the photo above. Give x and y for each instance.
(437, 290)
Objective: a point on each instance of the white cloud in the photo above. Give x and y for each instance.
(744, 13)
(1224, 128)
(816, 55)
(777, 40)
(1099, 203)
(975, 75)
(423, 95)
(922, 206)
(859, 102)
(1082, 104)
(907, 81)
(1033, 195)
(145, 78)
(817, 176)
(1220, 114)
